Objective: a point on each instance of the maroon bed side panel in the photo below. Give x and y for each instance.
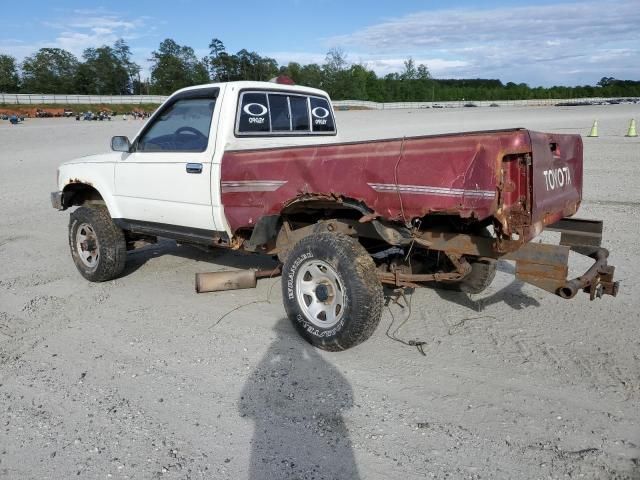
(452, 173)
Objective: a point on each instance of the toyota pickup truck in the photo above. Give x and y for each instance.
(260, 167)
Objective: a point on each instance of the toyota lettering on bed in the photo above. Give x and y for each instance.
(260, 167)
(557, 178)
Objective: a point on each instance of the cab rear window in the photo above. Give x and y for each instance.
(282, 113)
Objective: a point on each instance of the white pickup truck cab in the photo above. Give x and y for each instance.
(170, 172)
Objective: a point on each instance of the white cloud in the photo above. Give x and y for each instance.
(548, 44)
(565, 43)
(438, 67)
(86, 28)
(302, 58)
(81, 29)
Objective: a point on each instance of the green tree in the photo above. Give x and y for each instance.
(85, 80)
(174, 67)
(49, 70)
(409, 72)
(226, 67)
(266, 68)
(200, 72)
(103, 72)
(423, 73)
(293, 70)
(606, 81)
(123, 53)
(9, 79)
(110, 70)
(215, 61)
(244, 65)
(334, 77)
(247, 65)
(311, 75)
(356, 84)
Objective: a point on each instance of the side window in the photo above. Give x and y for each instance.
(321, 119)
(183, 127)
(299, 114)
(279, 110)
(254, 113)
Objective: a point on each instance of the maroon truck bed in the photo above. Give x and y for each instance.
(525, 179)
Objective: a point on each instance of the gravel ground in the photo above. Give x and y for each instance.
(142, 378)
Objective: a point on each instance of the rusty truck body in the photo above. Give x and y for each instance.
(260, 167)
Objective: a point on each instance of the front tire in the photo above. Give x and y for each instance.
(98, 246)
(331, 291)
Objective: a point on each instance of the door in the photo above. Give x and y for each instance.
(166, 178)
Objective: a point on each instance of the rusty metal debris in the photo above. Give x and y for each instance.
(597, 281)
(540, 264)
(400, 278)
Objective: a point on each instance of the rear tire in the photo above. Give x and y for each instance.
(98, 246)
(331, 291)
(483, 271)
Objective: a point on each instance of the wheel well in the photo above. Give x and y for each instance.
(79, 194)
(311, 214)
(303, 212)
(318, 208)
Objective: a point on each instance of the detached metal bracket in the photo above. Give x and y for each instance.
(578, 231)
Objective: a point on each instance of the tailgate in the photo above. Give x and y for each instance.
(557, 177)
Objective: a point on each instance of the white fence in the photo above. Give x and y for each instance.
(34, 99)
(338, 104)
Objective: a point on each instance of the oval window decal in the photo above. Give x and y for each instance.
(250, 109)
(320, 112)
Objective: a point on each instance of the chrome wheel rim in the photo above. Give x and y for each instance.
(320, 293)
(87, 245)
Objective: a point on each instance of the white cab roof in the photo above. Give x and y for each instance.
(241, 85)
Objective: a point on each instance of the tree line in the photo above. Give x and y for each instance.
(110, 70)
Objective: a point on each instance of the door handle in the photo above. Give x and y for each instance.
(194, 168)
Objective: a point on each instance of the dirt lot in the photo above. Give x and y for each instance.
(142, 378)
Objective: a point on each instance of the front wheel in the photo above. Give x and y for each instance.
(98, 246)
(331, 291)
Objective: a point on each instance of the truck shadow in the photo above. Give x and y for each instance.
(217, 256)
(512, 295)
(296, 400)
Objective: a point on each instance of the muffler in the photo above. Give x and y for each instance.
(236, 280)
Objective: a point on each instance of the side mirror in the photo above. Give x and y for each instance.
(120, 144)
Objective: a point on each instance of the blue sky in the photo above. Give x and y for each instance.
(536, 42)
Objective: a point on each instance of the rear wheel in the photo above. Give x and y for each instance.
(331, 291)
(98, 246)
(483, 271)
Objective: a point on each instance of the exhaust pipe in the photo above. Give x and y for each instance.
(220, 281)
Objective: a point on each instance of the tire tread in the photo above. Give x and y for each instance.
(113, 247)
(365, 289)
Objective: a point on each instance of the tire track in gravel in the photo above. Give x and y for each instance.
(6, 240)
